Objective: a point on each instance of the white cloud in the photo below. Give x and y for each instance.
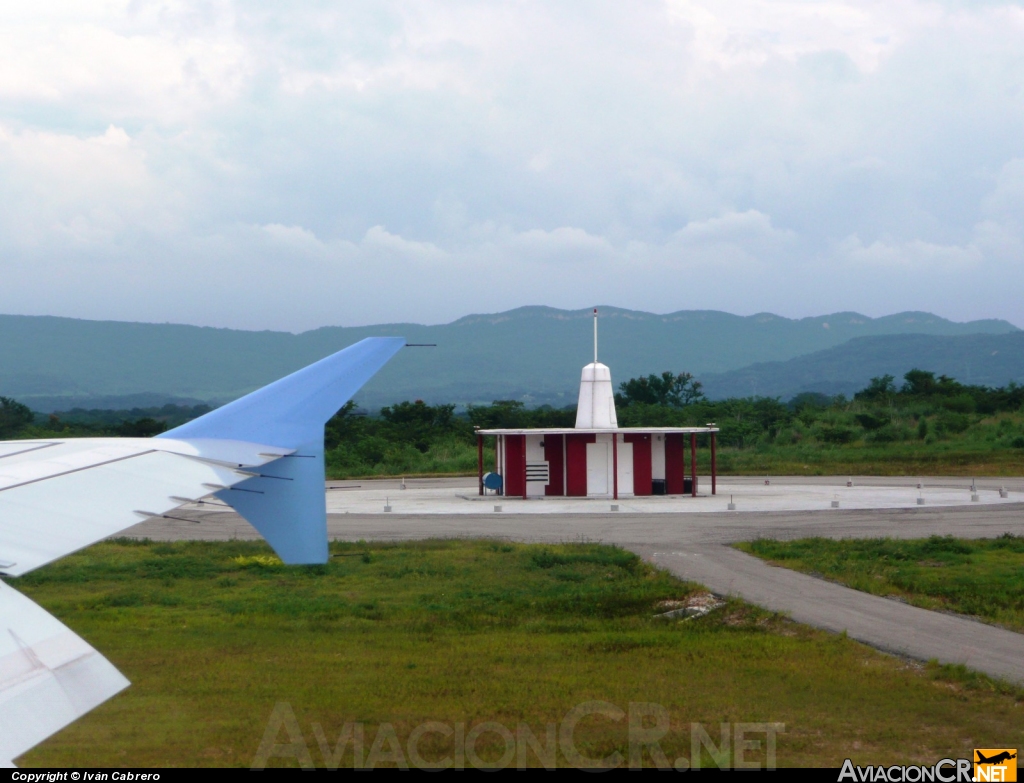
(147, 60)
(734, 227)
(59, 187)
(1006, 199)
(751, 32)
(924, 257)
(560, 242)
(294, 238)
(743, 154)
(379, 240)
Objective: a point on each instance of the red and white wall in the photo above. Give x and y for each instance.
(582, 464)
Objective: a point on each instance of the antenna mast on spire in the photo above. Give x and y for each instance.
(595, 335)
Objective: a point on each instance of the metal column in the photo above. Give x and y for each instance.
(615, 466)
(714, 471)
(525, 482)
(693, 464)
(480, 461)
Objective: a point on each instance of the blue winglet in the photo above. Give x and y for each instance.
(286, 503)
(292, 411)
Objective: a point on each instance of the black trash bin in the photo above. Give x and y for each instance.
(658, 486)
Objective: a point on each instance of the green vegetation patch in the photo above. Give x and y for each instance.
(217, 636)
(979, 577)
(927, 426)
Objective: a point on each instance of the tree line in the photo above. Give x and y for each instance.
(416, 437)
(17, 420)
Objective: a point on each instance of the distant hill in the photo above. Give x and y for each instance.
(984, 359)
(531, 353)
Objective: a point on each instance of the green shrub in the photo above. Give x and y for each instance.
(371, 450)
(949, 422)
(888, 434)
(835, 434)
(14, 417)
(871, 421)
(962, 403)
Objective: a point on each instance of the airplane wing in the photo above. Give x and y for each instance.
(262, 454)
(49, 677)
(59, 496)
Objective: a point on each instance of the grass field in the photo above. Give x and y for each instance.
(913, 458)
(901, 459)
(979, 577)
(218, 636)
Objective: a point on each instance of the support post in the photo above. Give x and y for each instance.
(525, 483)
(693, 464)
(480, 461)
(714, 471)
(565, 465)
(615, 466)
(682, 459)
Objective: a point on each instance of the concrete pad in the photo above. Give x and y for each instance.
(748, 496)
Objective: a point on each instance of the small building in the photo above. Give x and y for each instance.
(597, 458)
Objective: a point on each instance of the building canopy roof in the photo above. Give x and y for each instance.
(595, 431)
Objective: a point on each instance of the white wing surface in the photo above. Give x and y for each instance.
(49, 677)
(58, 496)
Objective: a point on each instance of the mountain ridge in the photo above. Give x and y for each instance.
(981, 359)
(533, 353)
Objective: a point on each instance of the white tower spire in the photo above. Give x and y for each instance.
(596, 407)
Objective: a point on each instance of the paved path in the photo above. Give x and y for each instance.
(695, 546)
(883, 623)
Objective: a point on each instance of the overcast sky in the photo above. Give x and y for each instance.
(293, 165)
